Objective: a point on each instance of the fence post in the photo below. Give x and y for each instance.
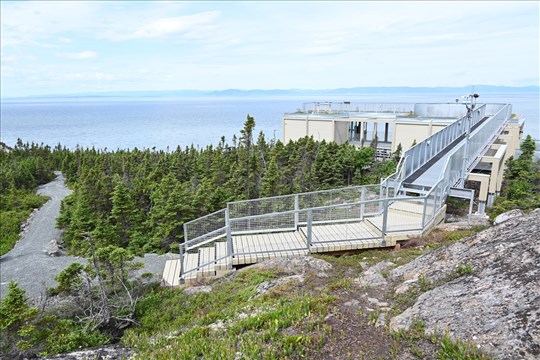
(181, 262)
(425, 212)
(385, 220)
(309, 228)
(362, 204)
(181, 252)
(229, 237)
(296, 208)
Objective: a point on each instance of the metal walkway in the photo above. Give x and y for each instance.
(406, 203)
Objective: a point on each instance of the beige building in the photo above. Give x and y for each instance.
(390, 124)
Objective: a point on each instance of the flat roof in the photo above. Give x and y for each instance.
(363, 116)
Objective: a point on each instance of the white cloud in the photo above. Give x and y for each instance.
(79, 55)
(167, 26)
(189, 27)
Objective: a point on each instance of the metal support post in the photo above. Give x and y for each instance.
(296, 209)
(385, 220)
(229, 238)
(181, 252)
(471, 201)
(309, 228)
(362, 204)
(424, 213)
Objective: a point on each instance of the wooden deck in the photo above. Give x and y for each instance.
(253, 248)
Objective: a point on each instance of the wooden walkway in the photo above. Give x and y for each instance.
(327, 238)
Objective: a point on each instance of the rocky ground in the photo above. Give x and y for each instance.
(485, 288)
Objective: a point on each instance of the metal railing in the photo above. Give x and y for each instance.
(421, 153)
(383, 205)
(352, 107)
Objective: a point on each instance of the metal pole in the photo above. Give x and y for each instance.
(309, 228)
(181, 252)
(424, 213)
(385, 220)
(296, 208)
(471, 201)
(466, 155)
(229, 238)
(181, 262)
(362, 205)
(470, 108)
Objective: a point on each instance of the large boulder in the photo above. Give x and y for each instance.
(495, 302)
(54, 248)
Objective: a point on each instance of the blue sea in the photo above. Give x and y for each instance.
(164, 123)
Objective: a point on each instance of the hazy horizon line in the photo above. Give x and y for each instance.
(289, 91)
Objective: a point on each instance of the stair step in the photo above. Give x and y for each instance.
(191, 261)
(207, 255)
(221, 253)
(171, 273)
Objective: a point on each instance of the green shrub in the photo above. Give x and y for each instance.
(458, 350)
(463, 270)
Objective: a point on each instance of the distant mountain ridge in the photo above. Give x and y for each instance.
(299, 92)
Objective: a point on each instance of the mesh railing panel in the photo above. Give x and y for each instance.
(485, 134)
(404, 215)
(336, 213)
(329, 197)
(205, 225)
(239, 209)
(264, 223)
(278, 204)
(209, 238)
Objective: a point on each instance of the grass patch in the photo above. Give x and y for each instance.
(223, 324)
(464, 270)
(14, 211)
(458, 350)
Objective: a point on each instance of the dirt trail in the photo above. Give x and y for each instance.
(28, 263)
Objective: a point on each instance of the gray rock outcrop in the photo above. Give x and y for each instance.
(296, 265)
(507, 216)
(487, 289)
(111, 352)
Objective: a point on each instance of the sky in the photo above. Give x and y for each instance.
(69, 47)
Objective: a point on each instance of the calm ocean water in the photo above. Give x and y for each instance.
(126, 123)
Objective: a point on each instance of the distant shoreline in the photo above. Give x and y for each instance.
(491, 89)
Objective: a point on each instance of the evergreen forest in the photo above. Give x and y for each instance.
(140, 199)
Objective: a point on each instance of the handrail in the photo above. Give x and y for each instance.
(419, 154)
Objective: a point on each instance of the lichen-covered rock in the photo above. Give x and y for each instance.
(266, 286)
(494, 300)
(299, 265)
(197, 289)
(372, 276)
(112, 352)
(507, 216)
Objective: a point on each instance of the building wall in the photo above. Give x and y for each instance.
(341, 131)
(406, 133)
(321, 130)
(293, 129)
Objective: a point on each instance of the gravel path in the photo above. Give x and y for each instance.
(28, 263)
